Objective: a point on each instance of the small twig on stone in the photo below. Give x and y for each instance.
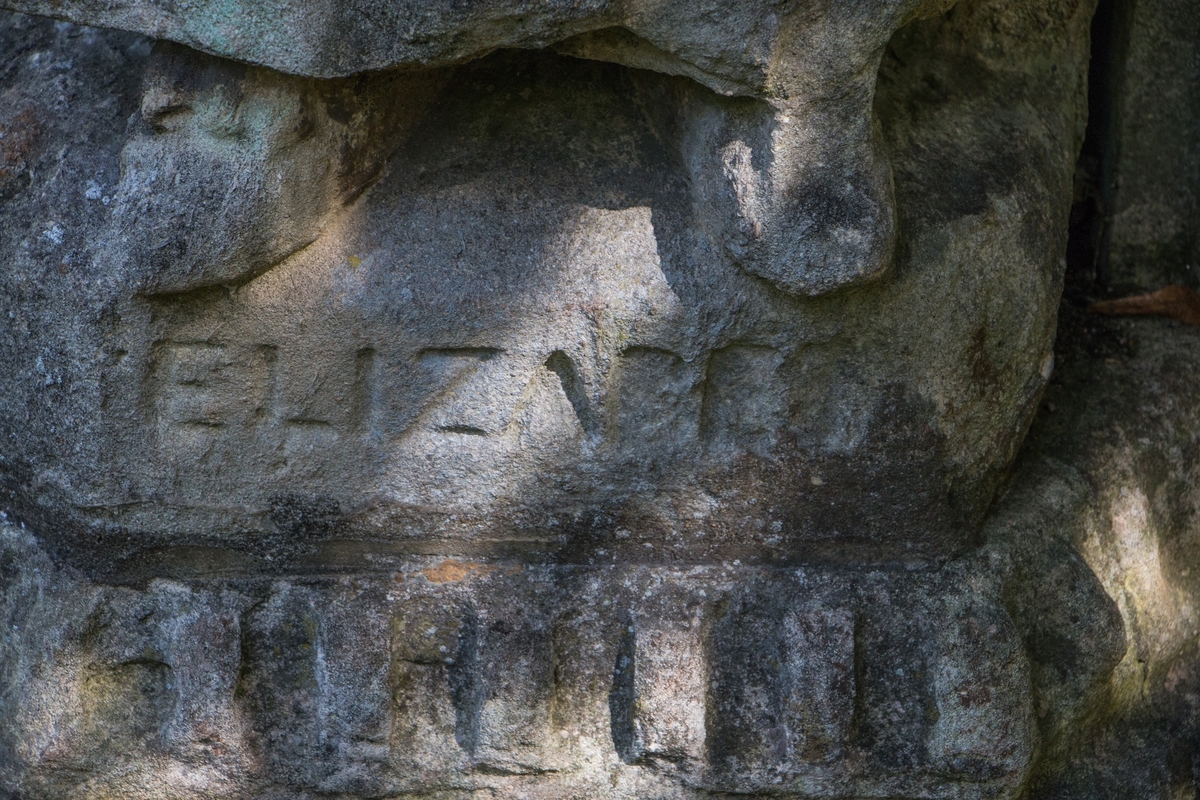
(1176, 302)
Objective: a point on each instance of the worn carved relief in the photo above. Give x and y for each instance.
(570, 399)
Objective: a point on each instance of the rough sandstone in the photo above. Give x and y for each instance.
(559, 400)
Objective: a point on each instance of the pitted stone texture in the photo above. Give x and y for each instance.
(529, 334)
(595, 420)
(1105, 594)
(1152, 233)
(736, 48)
(451, 676)
(804, 183)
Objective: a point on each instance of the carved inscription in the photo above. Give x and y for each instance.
(515, 732)
(435, 687)
(211, 387)
(783, 687)
(575, 389)
(203, 385)
(364, 393)
(744, 403)
(659, 691)
(765, 685)
(657, 399)
(473, 397)
(731, 397)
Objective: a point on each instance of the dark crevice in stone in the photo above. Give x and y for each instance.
(1095, 178)
(573, 387)
(623, 696)
(466, 685)
(1087, 275)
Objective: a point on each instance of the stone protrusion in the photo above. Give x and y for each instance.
(281, 686)
(426, 398)
(435, 689)
(659, 690)
(464, 677)
(516, 664)
(503, 281)
(786, 204)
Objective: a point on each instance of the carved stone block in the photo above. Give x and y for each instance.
(558, 399)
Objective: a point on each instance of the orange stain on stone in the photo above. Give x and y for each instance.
(452, 571)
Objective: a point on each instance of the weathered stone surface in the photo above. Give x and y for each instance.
(571, 681)
(799, 184)
(532, 335)
(1114, 457)
(1153, 211)
(607, 401)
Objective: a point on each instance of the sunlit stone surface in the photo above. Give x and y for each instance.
(546, 400)
(515, 306)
